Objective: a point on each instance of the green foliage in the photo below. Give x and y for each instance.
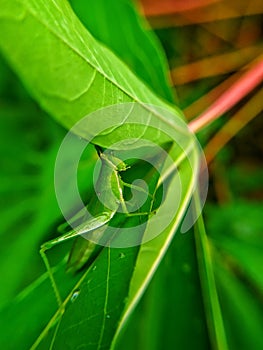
(79, 75)
(204, 289)
(28, 204)
(172, 307)
(236, 243)
(129, 38)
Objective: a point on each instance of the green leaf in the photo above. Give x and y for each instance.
(212, 305)
(95, 313)
(129, 38)
(238, 265)
(102, 291)
(172, 307)
(28, 203)
(241, 307)
(236, 232)
(70, 74)
(30, 311)
(235, 244)
(67, 70)
(152, 252)
(102, 294)
(29, 209)
(114, 285)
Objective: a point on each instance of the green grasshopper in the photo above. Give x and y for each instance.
(109, 188)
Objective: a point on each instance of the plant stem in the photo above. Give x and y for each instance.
(243, 86)
(247, 113)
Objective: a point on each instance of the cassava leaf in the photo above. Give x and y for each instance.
(130, 39)
(28, 205)
(103, 289)
(97, 314)
(174, 294)
(152, 252)
(68, 72)
(94, 314)
(34, 307)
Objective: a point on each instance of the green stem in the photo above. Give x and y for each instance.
(213, 311)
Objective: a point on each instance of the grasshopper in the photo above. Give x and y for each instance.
(109, 188)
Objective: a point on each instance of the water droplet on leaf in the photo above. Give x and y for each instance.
(74, 296)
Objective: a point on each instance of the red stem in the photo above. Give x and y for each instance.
(230, 97)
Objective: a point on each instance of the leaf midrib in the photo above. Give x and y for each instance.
(97, 68)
